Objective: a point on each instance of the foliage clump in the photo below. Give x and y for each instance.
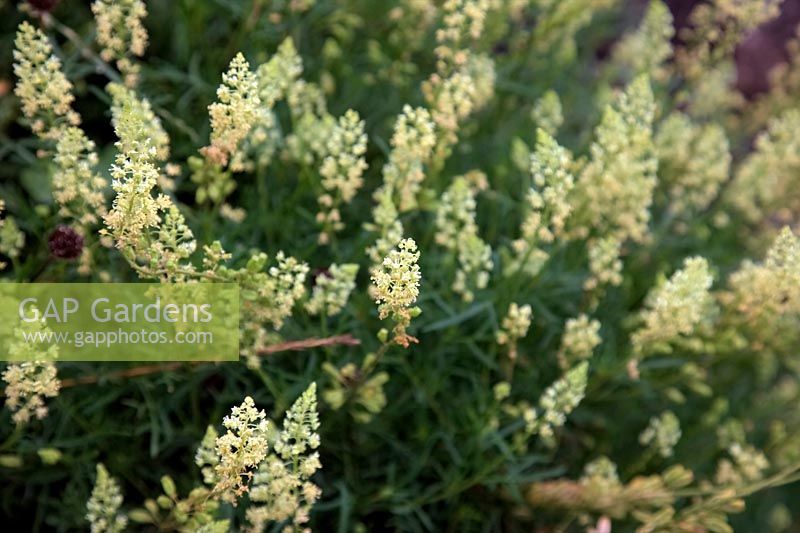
(540, 257)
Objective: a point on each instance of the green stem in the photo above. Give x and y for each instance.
(367, 370)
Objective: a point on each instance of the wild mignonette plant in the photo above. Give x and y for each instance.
(519, 265)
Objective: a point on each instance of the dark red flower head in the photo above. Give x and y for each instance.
(43, 5)
(66, 243)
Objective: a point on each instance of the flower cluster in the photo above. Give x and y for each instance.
(240, 450)
(385, 222)
(259, 147)
(300, 427)
(276, 79)
(341, 170)
(147, 229)
(515, 326)
(705, 58)
(306, 98)
(646, 50)
(270, 295)
(281, 487)
(287, 283)
(676, 308)
(235, 111)
(581, 337)
(715, 29)
(214, 183)
(763, 302)
(605, 266)
(312, 124)
(412, 142)
(549, 165)
(547, 113)
(44, 91)
(27, 386)
(454, 98)
(763, 183)
(662, 433)
(693, 162)
(748, 465)
(123, 98)
(331, 289)
(277, 480)
(206, 457)
(463, 21)
(480, 68)
(558, 401)
(396, 287)
(615, 190)
(47, 99)
(601, 471)
(312, 127)
(77, 187)
(135, 212)
(102, 509)
(121, 34)
(548, 204)
(457, 230)
(463, 81)
(277, 75)
(173, 243)
(12, 239)
(30, 381)
(475, 265)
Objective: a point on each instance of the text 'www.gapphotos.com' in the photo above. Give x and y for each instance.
(111, 338)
